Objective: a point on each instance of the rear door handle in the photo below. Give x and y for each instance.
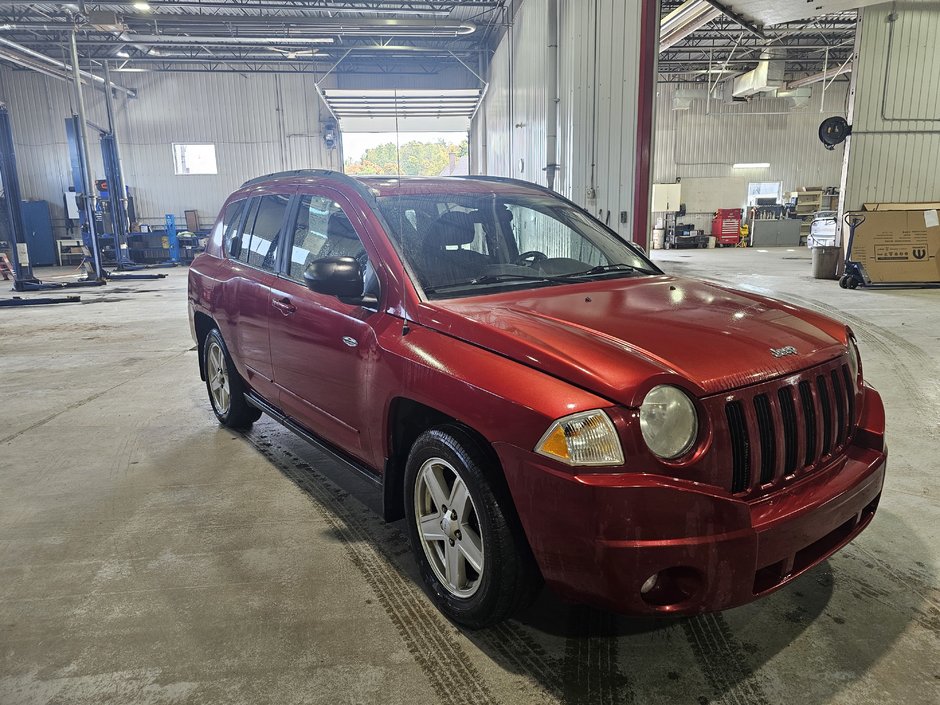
(284, 306)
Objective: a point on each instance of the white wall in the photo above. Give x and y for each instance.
(598, 104)
(259, 124)
(894, 151)
(700, 144)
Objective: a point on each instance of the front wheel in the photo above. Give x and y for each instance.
(225, 386)
(474, 562)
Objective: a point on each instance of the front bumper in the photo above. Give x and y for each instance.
(599, 537)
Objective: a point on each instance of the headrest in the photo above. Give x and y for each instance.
(339, 226)
(454, 228)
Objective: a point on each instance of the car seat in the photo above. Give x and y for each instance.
(444, 258)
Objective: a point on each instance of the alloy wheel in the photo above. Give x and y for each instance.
(449, 527)
(217, 374)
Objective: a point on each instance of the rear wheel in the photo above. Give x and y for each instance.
(225, 386)
(474, 562)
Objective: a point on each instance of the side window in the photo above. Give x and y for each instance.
(240, 236)
(265, 232)
(230, 220)
(321, 229)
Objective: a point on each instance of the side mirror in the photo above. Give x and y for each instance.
(339, 277)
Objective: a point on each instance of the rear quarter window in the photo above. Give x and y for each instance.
(231, 217)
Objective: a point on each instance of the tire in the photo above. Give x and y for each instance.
(225, 386)
(844, 282)
(473, 558)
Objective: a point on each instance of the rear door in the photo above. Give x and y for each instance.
(252, 255)
(324, 352)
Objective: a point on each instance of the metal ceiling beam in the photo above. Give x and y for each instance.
(61, 65)
(731, 14)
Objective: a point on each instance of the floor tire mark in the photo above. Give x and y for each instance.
(886, 342)
(423, 630)
(591, 671)
(723, 661)
(516, 647)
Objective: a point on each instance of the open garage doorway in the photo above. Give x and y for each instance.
(408, 153)
(411, 132)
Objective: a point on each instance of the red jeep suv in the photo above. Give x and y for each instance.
(537, 399)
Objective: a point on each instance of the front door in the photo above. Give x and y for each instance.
(323, 350)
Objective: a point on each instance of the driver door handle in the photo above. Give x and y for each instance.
(284, 306)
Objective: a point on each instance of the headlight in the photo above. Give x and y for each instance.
(668, 421)
(586, 438)
(855, 362)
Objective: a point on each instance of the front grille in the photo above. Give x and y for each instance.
(740, 445)
(779, 429)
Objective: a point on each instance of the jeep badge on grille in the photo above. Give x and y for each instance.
(783, 352)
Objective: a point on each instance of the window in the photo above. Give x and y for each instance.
(261, 251)
(240, 234)
(231, 219)
(478, 244)
(764, 190)
(322, 229)
(194, 159)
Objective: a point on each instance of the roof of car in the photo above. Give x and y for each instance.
(404, 185)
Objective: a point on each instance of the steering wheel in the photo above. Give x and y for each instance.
(531, 258)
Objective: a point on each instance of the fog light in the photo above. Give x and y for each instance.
(673, 587)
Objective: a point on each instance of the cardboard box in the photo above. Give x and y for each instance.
(899, 243)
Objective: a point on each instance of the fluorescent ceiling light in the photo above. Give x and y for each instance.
(750, 165)
(122, 54)
(142, 6)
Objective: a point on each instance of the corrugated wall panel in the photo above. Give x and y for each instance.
(597, 107)
(894, 149)
(258, 123)
(703, 142)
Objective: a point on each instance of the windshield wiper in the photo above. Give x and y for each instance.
(604, 268)
(497, 278)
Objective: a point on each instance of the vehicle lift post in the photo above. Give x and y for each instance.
(87, 183)
(23, 277)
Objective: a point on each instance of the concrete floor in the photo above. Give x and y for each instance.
(149, 556)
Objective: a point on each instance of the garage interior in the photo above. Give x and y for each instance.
(152, 556)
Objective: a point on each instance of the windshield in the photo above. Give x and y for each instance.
(479, 244)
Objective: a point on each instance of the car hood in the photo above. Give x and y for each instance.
(618, 337)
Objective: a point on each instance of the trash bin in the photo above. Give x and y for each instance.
(825, 262)
(658, 234)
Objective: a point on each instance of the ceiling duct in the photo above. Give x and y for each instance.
(765, 78)
(106, 21)
(821, 76)
(186, 40)
(683, 97)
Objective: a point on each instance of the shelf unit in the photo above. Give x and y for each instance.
(810, 200)
(70, 251)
